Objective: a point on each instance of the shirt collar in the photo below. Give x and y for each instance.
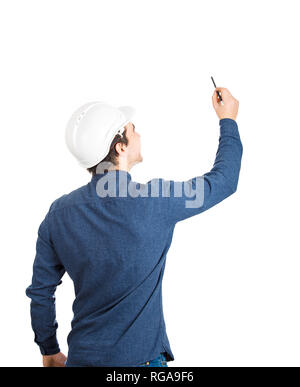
(111, 173)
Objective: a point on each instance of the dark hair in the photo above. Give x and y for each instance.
(112, 155)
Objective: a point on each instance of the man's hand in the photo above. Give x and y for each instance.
(230, 106)
(57, 360)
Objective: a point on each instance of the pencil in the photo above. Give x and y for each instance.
(219, 95)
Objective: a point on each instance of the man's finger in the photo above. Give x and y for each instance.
(223, 91)
(215, 99)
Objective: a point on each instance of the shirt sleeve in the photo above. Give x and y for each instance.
(47, 274)
(198, 194)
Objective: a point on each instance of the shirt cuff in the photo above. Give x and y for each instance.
(228, 127)
(49, 347)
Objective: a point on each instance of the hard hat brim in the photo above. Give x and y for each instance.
(128, 112)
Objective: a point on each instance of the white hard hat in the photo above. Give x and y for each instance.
(91, 129)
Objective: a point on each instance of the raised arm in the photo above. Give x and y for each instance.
(200, 193)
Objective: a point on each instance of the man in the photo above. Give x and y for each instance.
(112, 236)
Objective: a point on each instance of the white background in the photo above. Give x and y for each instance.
(231, 285)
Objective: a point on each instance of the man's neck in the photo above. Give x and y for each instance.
(123, 167)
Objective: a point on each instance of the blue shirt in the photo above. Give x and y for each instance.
(114, 249)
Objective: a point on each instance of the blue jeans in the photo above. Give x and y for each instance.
(159, 361)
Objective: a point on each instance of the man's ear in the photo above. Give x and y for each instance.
(120, 148)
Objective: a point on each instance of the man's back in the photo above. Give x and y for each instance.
(114, 249)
